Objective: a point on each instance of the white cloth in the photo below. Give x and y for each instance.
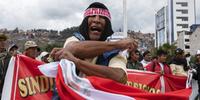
(162, 81)
(81, 86)
(145, 63)
(194, 93)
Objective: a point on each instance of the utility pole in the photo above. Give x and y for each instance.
(195, 12)
(124, 19)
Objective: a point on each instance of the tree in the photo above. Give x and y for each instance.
(49, 47)
(170, 49)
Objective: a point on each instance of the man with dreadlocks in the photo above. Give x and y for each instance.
(92, 55)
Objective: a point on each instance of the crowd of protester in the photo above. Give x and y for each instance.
(178, 65)
(7, 51)
(101, 53)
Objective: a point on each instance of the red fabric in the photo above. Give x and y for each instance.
(64, 91)
(114, 87)
(25, 72)
(172, 83)
(157, 68)
(27, 67)
(153, 80)
(97, 11)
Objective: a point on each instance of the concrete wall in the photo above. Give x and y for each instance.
(195, 41)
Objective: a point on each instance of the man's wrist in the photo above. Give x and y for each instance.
(76, 61)
(116, 45)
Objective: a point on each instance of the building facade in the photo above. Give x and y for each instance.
(161, 27)
(179, 15)
(183, 40)
(194, 40)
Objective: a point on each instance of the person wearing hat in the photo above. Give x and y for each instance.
(88, 47)
(13, 50)
(4, 60)
(30, 49)
(3, 39)
(43, 57)
(178, 64)
(89, 50)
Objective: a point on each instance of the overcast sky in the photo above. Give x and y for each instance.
(60, 14)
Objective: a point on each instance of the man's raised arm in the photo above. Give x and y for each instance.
(88, 49)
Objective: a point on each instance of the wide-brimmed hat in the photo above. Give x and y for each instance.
(3, 37)
(12, 46)
(30, 44)
(43, 54)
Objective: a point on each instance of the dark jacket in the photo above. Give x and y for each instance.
(4, 61)
(134, 65)
(180, 61)
(196, 76)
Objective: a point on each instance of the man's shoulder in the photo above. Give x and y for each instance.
(4, 56)
(70, 39)
(8, 56)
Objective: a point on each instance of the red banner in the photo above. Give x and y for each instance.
(151, 82)
(113, 87)
(28, 83)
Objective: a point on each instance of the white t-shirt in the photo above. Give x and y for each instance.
(161, 67)
(145, 63)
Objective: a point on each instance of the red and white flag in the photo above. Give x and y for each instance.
(26, 81)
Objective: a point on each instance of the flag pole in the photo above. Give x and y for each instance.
(124, 19)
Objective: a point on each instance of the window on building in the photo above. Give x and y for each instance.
(179, 31)
(187, 33)
(187, 40)
(182, 18)
(183, 4)
(183, 11)
(187, 47)
(183, 25)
